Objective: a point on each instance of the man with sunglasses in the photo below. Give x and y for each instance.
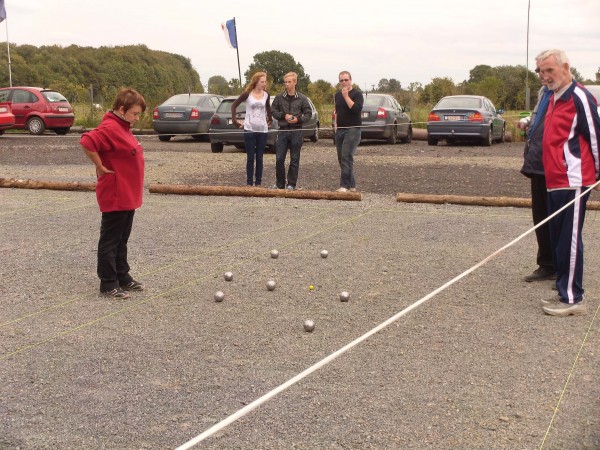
(533, 168)
(347, 113)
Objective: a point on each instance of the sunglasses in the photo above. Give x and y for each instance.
(344, 79)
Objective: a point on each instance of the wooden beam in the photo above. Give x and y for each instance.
(247, 191)
(475, 201)
(52, 185)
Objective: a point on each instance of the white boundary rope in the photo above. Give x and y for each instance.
(256, 403)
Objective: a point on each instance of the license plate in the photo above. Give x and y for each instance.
(364, 115)
(172, 115)
(453, 117)
(63, 109)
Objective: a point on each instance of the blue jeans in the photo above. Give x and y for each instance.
(255, 148)
(291, 139)
(346, 142)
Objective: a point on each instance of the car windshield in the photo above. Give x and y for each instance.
(458, 102)
(53, 96)
(371, 100)
(225, 107)
(184, 99)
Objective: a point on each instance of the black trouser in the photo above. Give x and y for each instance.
(292, 140)
(539, 210)
(113, 269)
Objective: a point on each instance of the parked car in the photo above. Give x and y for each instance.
(383, 118)
(185, 114)
(223, 132)
(7, 118)
(465, 117)
(37, 109)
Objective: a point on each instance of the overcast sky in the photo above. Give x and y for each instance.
(406, 40)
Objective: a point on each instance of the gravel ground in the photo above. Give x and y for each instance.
(478, 366)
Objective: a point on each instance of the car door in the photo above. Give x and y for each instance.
(403, 119)
(496, 120)
(23, 104)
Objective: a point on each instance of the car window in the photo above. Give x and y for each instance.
(374, 100)
(180, 99)
(53, 96)
(21, 96)
(4, 95)
(225, 107)
(459, 102)
(216, 101)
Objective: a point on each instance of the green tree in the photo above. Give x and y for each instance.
(598, 76)
(438, 88)
(576, 74)
(276, 64)
(218, 85)
(479, 72)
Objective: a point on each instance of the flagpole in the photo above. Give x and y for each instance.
(237, 49)
(8, 52)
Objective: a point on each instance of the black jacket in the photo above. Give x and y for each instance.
(296, 105)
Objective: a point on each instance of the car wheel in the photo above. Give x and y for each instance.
(2, 132)
(165, 138)
(315, 137)
(216, 147)
(36, 125)
(61, 131)
(487, 141)
(408, 138)
(394, 136)
(432, 141)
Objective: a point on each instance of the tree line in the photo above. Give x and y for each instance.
(87, 74)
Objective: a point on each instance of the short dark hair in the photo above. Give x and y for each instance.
(127, 98)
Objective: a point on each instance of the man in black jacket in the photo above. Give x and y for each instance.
(291, 109)
(533, 168)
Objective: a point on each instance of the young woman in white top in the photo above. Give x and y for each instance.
(256, 125)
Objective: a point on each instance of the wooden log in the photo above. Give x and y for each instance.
(52, 185)
(475, 201)
(247, 191)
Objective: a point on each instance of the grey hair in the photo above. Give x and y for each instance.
(559, 55)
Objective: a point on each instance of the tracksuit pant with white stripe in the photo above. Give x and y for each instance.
(567, 242)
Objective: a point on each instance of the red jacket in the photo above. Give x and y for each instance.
(571, 140)
(121, 152)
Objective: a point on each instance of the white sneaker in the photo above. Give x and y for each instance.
(342, 189)
(566, 309)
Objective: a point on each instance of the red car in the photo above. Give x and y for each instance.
(7, 118)
(38, 109)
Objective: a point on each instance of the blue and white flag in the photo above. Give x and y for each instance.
(2, 11)
(227, 27)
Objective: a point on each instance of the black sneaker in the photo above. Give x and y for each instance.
(116, 293)
(132, 286)
(540, 274)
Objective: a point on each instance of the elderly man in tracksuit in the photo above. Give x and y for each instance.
(571, 143)
(291, 109)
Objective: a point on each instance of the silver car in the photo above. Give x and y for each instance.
(384, 118)
(185, 114)
(223, 132)
(465, 117)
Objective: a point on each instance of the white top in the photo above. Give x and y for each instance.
(256, 114)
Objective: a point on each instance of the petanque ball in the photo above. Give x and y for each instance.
(219, 296)
(271, 285)
(228, 276)
(274, 254)
(324, 253)
(344, 296)
(309, 326)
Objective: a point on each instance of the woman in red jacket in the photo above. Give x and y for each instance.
(119, 160)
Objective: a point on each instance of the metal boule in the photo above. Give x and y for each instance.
(344, 296)
(324, 253)
(219, 296)
(228, 276)
(271, 285)
(309, 325)
(274, 254)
